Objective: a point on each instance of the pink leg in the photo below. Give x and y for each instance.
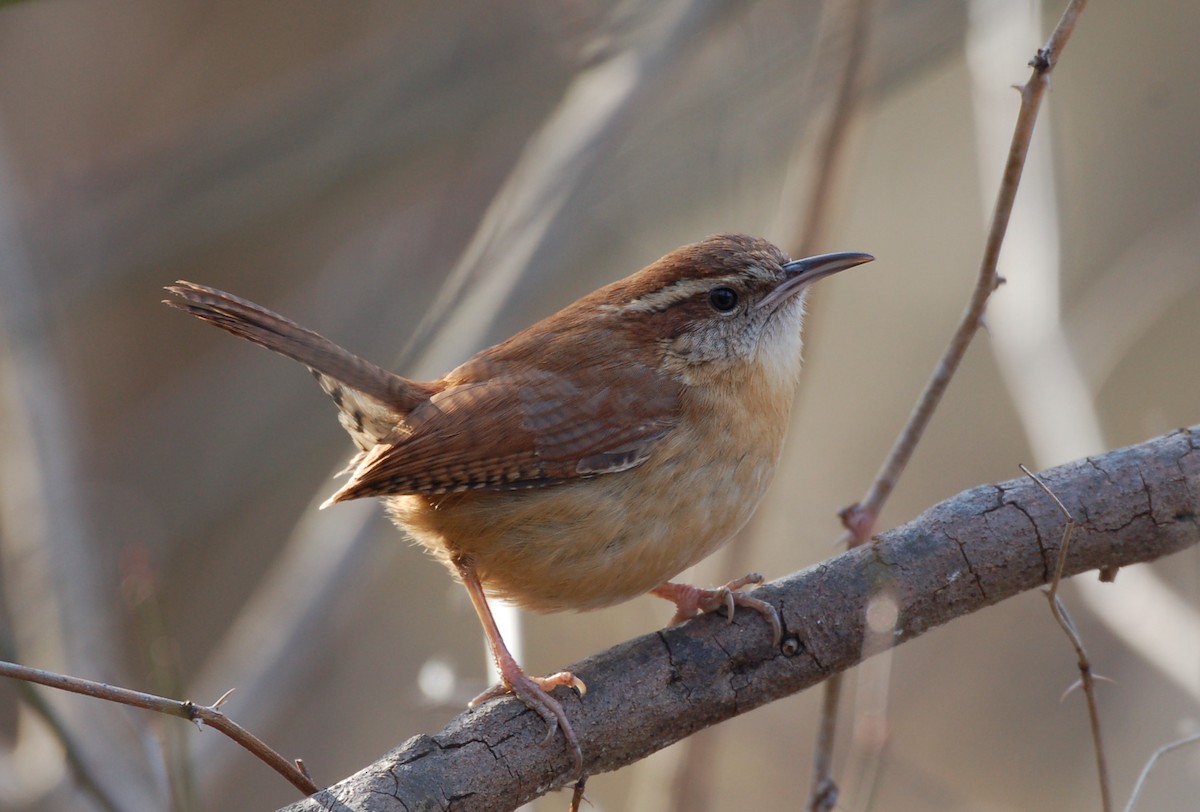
(533, 691)
(692, 600)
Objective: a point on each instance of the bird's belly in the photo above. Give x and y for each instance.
(594, 542)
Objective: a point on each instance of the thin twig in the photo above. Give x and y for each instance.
(1162, 751)
(1087, 679)
(860, 518)
(577, 794)
(1068, 531)
(823, 794)
(200, 714)
(83, 772)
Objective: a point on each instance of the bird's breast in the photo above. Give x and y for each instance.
(594, 542)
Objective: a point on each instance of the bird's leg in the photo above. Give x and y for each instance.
(693, 600)
(533, 691)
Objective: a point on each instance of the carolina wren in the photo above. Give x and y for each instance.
(591, 457)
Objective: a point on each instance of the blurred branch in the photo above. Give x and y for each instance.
(631, 54)
(288, 139)
(1119, 306)
(973, 550)
(1150, 764)
(200, 714)
(53, 577)
(851, 29)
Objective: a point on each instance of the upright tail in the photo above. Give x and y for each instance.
(371, 400)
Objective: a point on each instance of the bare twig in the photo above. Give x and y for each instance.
(1162, 751)
(1087, 679)
(199, 714)
(1068, 531)
(577, 794)
(823, 794)
(82, 771)
(860, 518)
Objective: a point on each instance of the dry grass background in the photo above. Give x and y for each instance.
(418, 180)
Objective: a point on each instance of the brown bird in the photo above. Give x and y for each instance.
(591, 457)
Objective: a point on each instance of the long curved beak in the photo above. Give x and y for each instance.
(800, 273)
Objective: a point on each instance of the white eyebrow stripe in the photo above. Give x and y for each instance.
(682, 290)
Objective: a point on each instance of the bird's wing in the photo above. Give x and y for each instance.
(520, 430)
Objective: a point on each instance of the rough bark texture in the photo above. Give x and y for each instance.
(973, 550)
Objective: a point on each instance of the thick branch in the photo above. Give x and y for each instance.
(973, 550)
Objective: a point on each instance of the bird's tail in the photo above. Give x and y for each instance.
(372, 401)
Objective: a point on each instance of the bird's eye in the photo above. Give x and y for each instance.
(722, 299)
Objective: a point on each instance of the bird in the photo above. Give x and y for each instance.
(591, 457)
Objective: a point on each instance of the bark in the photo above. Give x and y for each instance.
(970, 551)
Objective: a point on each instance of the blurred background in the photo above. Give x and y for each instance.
(417, 180)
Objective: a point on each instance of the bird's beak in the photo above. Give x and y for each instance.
(800, 273)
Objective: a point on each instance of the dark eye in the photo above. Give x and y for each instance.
(723, 299)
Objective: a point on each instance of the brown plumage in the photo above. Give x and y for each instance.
(592, 456)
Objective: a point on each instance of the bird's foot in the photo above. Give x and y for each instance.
(693, 600)
(535, 693)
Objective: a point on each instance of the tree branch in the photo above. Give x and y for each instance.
(973, 550)
(200, 714)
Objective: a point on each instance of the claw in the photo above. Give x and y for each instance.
(534, 692)
(691, 601)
